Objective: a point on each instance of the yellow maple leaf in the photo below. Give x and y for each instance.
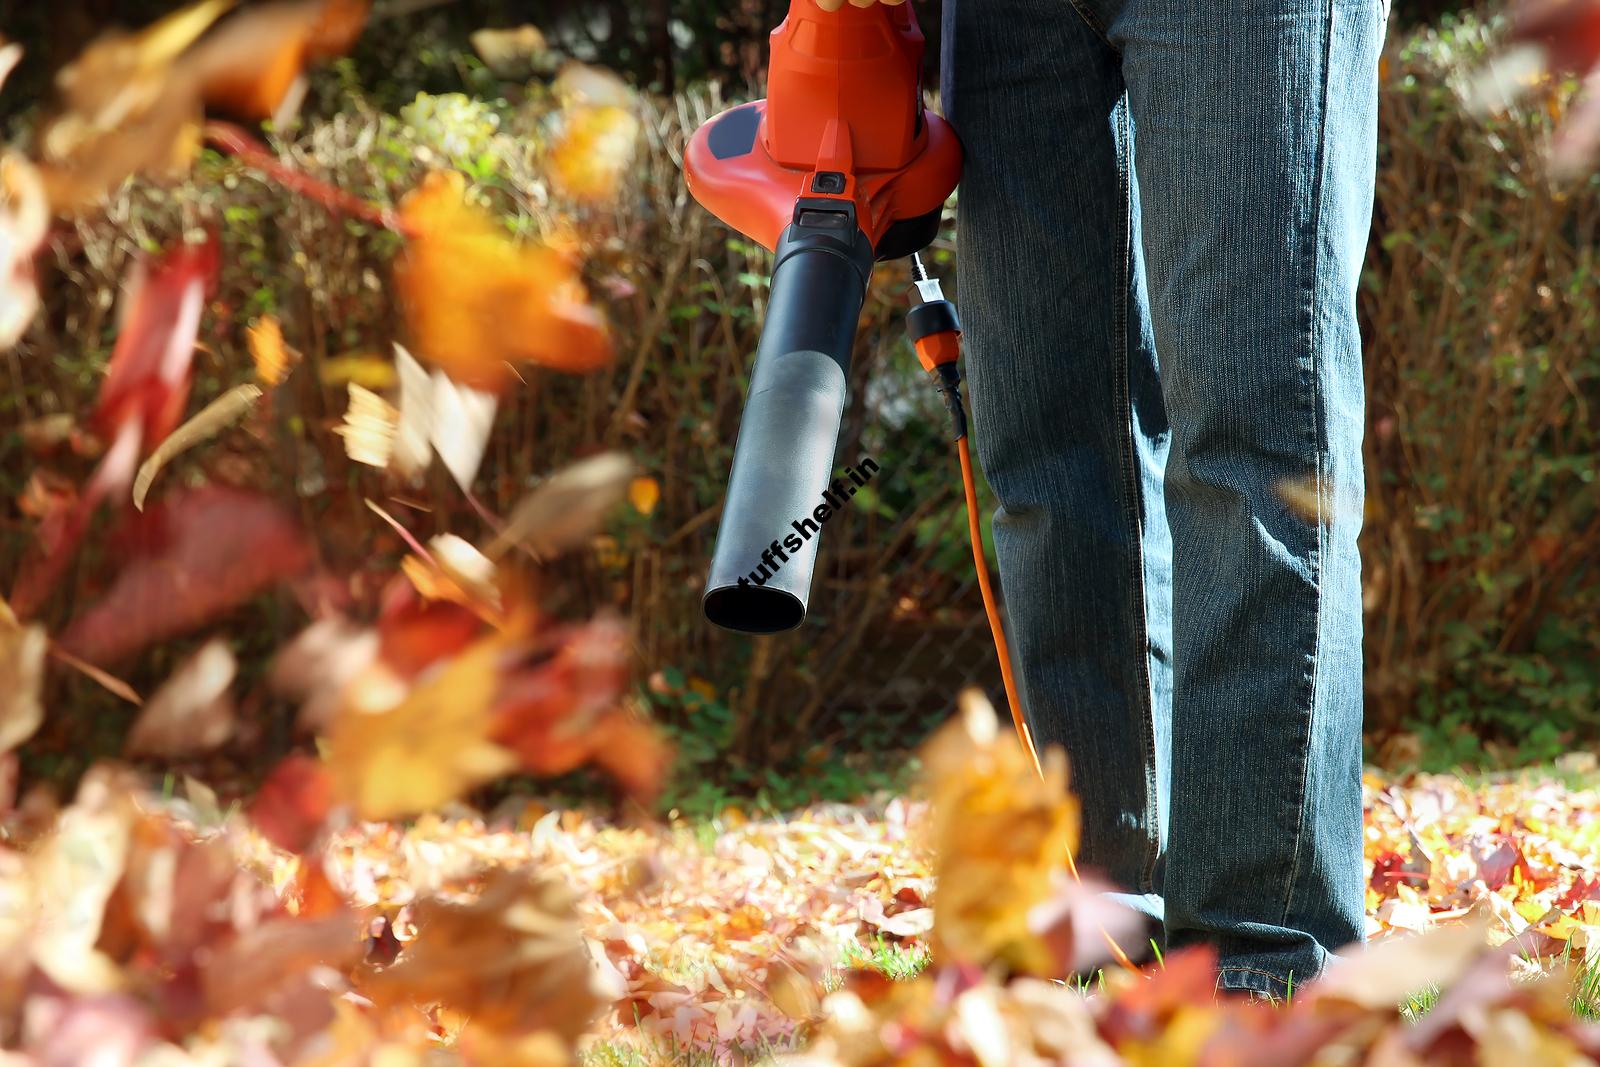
(429, 748)
(1000, 833)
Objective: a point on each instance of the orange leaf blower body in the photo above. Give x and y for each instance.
(840, 167)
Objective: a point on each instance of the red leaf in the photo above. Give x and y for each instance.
(148, 379)
(293, 802)
(1569, 29)
(192, 560)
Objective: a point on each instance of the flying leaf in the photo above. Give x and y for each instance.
(513, 959)
(429, 748)
(189, 560)
(253, 64)
(462, 420)
(1001, 834)
(368, 428)
(222, 412)
(22, 656)
(127, 106)
(562, 710)
(566, 508)
(598, 134)
(515, 54)
(455, 571)
(191, 712)
(644, 494)
(273, 359)
(293, 803)
(147, 381)
(24, 220)
(476, 301)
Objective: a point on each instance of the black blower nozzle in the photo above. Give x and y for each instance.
(783, 460)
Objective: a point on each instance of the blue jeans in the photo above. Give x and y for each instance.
(1161, 228)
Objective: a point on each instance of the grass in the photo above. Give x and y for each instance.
(899, 961)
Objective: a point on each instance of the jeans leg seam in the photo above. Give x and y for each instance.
(1093, 22)
(1319, 475)
(1133, 512)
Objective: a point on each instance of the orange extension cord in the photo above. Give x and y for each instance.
(1002, 652)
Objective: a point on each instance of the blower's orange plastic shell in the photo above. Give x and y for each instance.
(843, 95)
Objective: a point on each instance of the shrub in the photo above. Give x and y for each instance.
(1482, 545)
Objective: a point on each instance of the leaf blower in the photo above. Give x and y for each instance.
(839, 168)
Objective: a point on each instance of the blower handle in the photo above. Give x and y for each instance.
(783, 459)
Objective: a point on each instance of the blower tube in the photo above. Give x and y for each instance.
(783, 460)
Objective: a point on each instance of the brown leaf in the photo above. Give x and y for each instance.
(211, 420)
(1380, 977)
(191, 559)
(192, 711)
(127, 106)
(513, 959)
(279, 950)
(567, 508)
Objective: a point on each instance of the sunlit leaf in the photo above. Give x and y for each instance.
(273, 359)
(24, 220)
(598, 135)
(477, 302)
(515, 53)
(127, 106)
(211, 419)
(368, 428)
(192, 711)
(566, 508)
(513, 960)
(22, 659)
(644, 494)
(429, 748)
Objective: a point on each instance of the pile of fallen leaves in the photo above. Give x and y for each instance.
(140, 929)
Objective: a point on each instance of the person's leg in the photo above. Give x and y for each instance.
(1067, 410)
(1256, 144)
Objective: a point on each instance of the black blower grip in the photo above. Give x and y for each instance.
(784, 456)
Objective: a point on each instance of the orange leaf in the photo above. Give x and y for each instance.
(273, 359)
(428, 749)
(644, 494)
(475, 300)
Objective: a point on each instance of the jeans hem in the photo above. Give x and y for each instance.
(1253, 980)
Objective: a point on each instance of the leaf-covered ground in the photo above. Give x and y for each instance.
(702, 923)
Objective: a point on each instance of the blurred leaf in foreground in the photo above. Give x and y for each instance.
(133, 102)
(598, 134)
(425, 749)
(1002, 835)
(192, 711)
(476, 302)
(189, 560)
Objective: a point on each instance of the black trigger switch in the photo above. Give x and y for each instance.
(829, 182)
